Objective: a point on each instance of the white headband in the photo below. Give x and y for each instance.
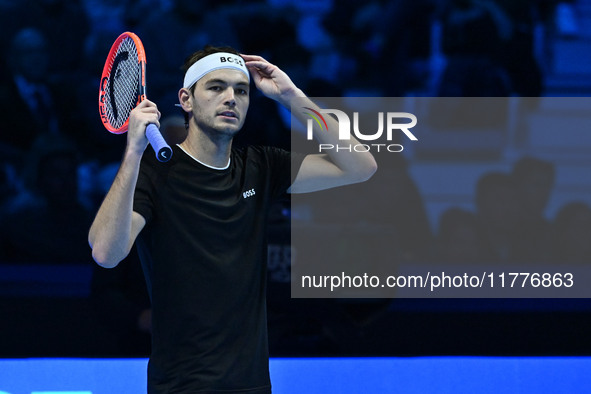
(213, 62)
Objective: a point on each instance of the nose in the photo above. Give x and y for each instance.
(230, 98)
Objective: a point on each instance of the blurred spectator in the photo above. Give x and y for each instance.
(572, 234)
(473, 32)
(392, 37)
(105, 16)
(534, 182)
(27, 97)
(47, 223)
(517, 53)
(64, 24)
(335, 55)
(398, 44)
(139, 10)
(458, 238)
(251, 22)
(31, 100)
(565, 18)
(497, 211)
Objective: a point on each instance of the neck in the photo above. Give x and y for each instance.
(209, 149)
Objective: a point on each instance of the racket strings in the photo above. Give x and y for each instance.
(122, 88)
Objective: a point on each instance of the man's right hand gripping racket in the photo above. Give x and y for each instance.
(123, 87)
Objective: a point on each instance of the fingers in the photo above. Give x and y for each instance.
(146, 103)
(260, 68)
(249, 58)
(149, 112)
(258, 62)
(142, 115)
(148, 106)
(269, 78)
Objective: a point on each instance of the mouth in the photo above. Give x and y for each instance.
(228, 114)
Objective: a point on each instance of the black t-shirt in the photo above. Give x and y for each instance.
(203, 253)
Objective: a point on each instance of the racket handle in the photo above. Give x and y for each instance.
(162, 149)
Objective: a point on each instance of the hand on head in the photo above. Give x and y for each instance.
(270, 79)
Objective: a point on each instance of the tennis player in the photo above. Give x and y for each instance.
(199, 222)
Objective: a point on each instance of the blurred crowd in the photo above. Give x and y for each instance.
(57, 160)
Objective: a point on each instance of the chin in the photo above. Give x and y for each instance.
(232, 129)
(228, 132)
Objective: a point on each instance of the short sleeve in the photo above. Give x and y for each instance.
(284, 167)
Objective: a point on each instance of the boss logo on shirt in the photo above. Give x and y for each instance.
(248, 193)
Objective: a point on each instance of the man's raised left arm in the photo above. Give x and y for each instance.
(318, 171)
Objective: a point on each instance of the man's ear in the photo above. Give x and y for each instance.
(185, 100)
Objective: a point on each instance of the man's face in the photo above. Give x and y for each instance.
(220, 101)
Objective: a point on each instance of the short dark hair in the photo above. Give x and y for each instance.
(200, 54)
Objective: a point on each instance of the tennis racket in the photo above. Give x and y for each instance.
(123, 87)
